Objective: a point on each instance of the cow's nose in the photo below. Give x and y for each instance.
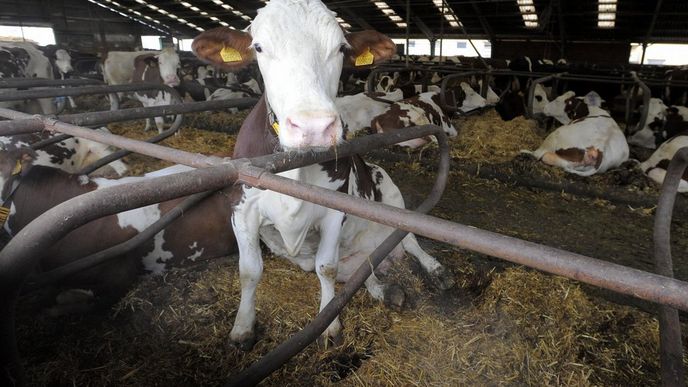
(314, 130)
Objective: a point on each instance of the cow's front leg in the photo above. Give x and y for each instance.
(246, 226)
(326, 264)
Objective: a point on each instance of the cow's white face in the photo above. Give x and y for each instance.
(63, 61)
(168, 62)
(556, 108)
(540, 100)
(300, 49)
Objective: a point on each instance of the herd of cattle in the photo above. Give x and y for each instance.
(300, 50)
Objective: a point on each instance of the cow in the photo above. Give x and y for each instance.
(70, 155)
(123, 67)
(29, 190)
(24, 60)
(645, 137)
(512, 103)
(557, 108)
(422, 109)
(300, 49)
(656, 166)
(61, 62)
(591, 142)
(357, 111)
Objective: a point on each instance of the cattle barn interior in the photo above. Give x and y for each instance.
(186, 200)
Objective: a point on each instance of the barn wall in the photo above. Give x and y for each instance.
(77, 24)
(601, 53)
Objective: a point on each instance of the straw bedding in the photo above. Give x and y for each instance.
(498, 326)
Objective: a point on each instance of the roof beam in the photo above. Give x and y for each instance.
(483, 22)
(651, 28)
(355, 18)
(423, 28)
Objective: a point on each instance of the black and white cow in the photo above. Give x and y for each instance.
(24, 60)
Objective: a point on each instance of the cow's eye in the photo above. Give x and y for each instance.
(257, 47)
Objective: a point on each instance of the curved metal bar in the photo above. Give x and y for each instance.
(531, 92)
(646, 102)
(296, 343)
(176, 125)
(443, 88)
(671, 346)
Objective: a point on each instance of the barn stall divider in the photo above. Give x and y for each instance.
(17, 258)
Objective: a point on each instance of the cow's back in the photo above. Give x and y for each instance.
(118, 67)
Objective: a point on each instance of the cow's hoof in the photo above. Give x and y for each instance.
(245, 344)
(325, 342)
(442, 278)
(394, 296)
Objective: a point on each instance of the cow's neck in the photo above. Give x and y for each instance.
(256, 137)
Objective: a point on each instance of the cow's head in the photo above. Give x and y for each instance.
(88, 152)
(557, 108)
(14, 162)
(168, 61)
(63, 61)
(300, 49)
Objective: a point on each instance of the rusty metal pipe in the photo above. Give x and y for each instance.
(10, 83)
(86, 90)
(671, 348)
(296, 343)
(30, 125)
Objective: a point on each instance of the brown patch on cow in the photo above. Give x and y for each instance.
(340, 170)
(576, 108)
(600, 157)
(380, 46)
(208, 45)
(255, 137)
(146, 70)
(574, 155)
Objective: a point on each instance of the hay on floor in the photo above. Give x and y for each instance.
(486, 138)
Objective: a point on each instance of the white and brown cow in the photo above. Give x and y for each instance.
(675, 128)
(422, 109)
(300, 49)
(194, 236)
(591, 142)
(70, 155)
(358, 110)
(24, 60)
(123, 67)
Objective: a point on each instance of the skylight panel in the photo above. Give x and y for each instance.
(606, 13)
(528, 13)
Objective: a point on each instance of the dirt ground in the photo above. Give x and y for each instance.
(500, 325)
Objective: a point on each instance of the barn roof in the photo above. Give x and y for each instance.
(551, 20)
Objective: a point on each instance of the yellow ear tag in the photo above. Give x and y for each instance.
(275, 126)
(366, 58)
(4, 214)
(228, 54)
(17, 168)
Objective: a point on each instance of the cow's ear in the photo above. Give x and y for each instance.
(368, 48)
(224, 47)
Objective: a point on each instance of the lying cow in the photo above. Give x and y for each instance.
(203, 232)
(70, 155)
(656, 166)
(512, 103)
(123, 67)
(298, 111)
(591, 142)
(24, 60)
(422, 109)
